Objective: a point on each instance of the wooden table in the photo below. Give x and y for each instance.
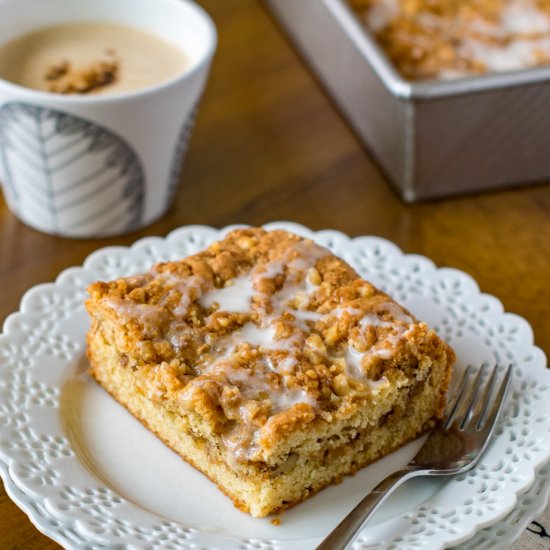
(270, 145)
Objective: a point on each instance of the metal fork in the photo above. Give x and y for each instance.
(453, 447)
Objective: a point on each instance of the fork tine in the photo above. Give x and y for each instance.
(468, 396)
(456, 385)
(498, 402)
(481, 394)
(484, 400)
(464, 414)
(456, 392)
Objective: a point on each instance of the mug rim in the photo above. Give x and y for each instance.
(77, 99)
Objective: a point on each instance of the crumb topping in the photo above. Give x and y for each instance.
(428, 39)
(63, 78)
(260, 334)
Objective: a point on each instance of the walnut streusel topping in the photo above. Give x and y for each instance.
(63, 78)
(260, 334)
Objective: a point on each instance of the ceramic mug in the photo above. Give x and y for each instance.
(95, 166)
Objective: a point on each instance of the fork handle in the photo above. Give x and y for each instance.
(346, 530)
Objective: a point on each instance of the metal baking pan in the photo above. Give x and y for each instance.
(432, 139)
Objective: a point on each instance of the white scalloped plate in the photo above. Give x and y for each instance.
(89, 475)
(530, 505)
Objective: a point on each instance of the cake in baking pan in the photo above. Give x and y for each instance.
(427, 39)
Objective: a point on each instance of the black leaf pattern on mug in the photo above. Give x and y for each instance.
(179, 154)
(66, 173)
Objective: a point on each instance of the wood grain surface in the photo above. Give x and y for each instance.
(270, 145)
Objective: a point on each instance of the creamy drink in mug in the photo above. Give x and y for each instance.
(97, 102)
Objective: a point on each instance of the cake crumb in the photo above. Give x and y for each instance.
(276, 522)
(65, 79)
(55, 72)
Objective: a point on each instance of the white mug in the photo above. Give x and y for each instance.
(103, 165)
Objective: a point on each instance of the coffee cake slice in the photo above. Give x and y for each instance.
(268, 364)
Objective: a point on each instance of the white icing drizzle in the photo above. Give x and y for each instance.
(523, 17)
(234, 297)
(353, 359)
(276, 355)
(253, 386)
(523, 30)
(258, 337)
(263, 337)
(149, 315)
(190, 289)
(237, 297)
(287, 364)
(339, 311)
(297, 284)
(516, 55)
(381, 14)
(373, 318)
(282, 401)
(269, 270)
(305, 315)
(486, 28)
(398, 327)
